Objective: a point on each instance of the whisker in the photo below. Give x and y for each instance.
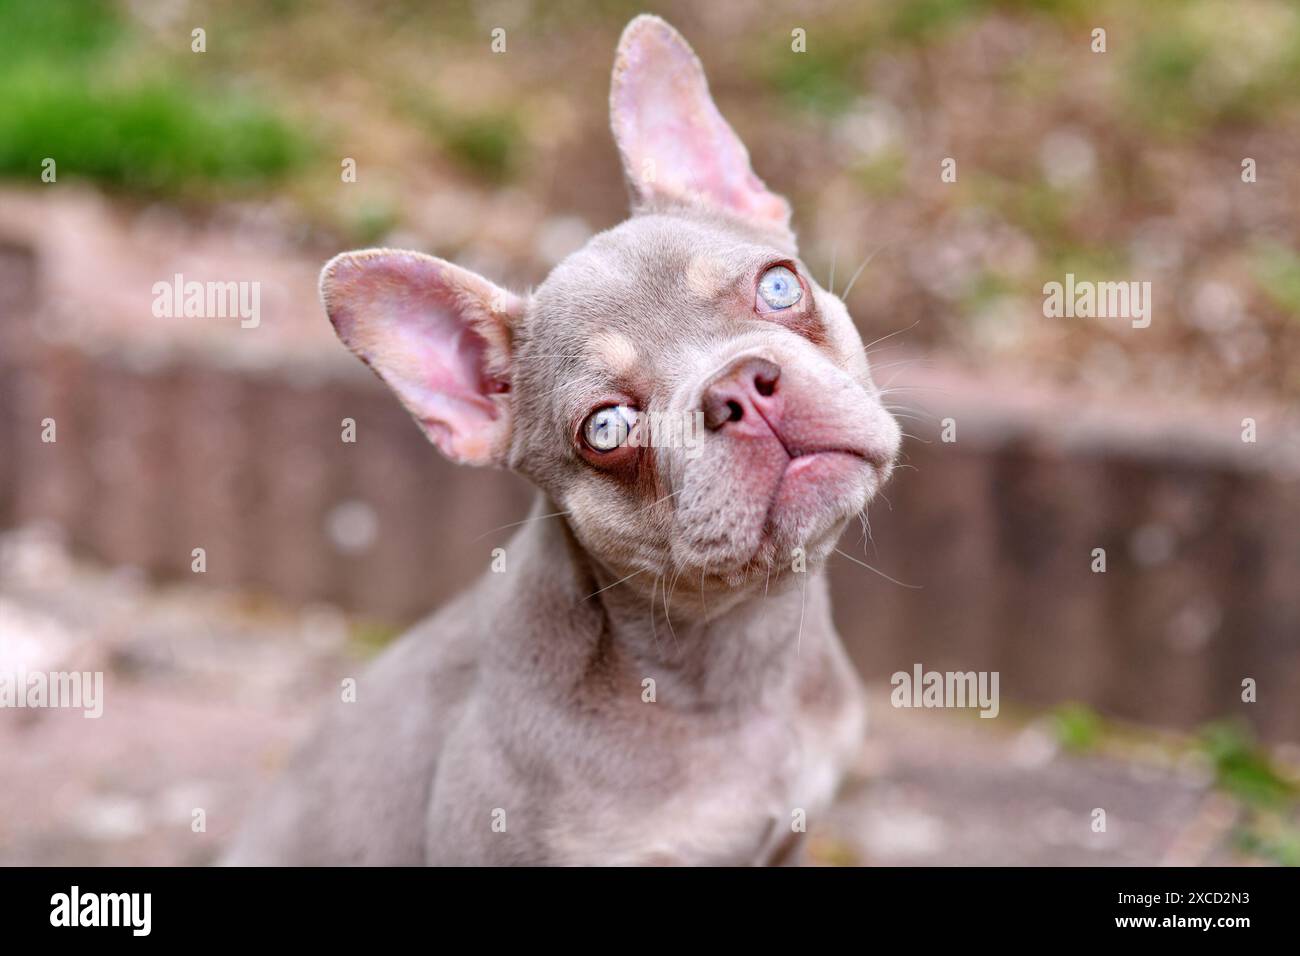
(673, 586)
(892, 346)
(914, 587)
(803, 601)
(912, 388)
(901, 363)
(668, 618)
(615, 584)
(569, 355)
(896, 409)
(659, 501)
(516, 524)
(654, 633)
(849, 288)
(866, 533)
(867, 347)
(893, 378)
(563, 385)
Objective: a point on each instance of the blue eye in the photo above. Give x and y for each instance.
(779, 288)
(607, 428)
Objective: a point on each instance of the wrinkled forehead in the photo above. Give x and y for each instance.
(632, 299)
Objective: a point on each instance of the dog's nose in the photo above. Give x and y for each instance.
(743, 395)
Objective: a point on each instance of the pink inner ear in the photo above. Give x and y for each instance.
(433, 356)
(674, 141)
(412, 319)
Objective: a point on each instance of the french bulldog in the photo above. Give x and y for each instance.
(655, 677)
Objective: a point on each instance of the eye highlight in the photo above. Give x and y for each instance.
(779, 288)
(606, 429)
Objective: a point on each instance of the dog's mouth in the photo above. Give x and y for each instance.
(816, 489)
(815, 493)
(806, 466)
(778, 490)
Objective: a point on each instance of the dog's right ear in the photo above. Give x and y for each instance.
(438, 335)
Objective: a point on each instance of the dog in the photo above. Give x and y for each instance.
(655, 678)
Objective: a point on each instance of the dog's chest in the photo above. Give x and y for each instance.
(737, 798)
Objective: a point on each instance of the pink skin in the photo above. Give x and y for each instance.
(750, 392)
(797, 458)
(426, 328)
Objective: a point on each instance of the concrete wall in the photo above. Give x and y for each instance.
(1201, 531)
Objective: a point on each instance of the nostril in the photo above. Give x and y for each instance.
(766, 374)
(741, 387)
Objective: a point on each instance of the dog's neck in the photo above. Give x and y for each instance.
(705, 651)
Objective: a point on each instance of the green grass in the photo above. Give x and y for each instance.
(150, 137)
(1268, 827)
(884, 175)
(62, 33)
(1242, 768)
(826, 78)
(984, 289)
(1266, 824)
(1157, 77)
(1077, 728)
(1194, 64)
(924, 21)
(1276, 841)
(919, 21)
(370, 636)
(157, 132)
(371, 220)
(820, 81)
(489, 145)
(1027, 201)
(1277, 270)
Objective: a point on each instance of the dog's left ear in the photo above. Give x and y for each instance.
(675, 144)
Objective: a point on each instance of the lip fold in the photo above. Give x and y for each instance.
(836, 459)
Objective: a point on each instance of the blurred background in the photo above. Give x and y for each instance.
(1120, 690)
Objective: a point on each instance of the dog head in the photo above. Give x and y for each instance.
(681, 386)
